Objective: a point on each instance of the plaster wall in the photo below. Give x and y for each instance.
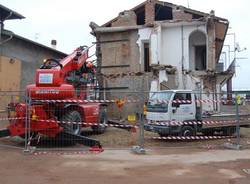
(30, 57)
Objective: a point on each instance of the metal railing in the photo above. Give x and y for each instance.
(123, 119)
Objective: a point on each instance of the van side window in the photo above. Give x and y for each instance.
(185, 97)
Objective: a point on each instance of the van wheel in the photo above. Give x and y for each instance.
(187, 131)
(229, 131)
(162, 135)
(208, 132)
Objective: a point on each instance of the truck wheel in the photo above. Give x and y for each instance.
(208, 132)
(72, 116)
(102, 120)
(229, 131)
(187, 131)
(162, 135)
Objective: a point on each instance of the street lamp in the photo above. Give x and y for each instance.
(224, 60)
(234, 35)
(229, 50)
(236, 48)
(229, 81)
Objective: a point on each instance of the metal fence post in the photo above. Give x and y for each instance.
(237, 101)
(27, 148)
(140, 148)
(141, 133)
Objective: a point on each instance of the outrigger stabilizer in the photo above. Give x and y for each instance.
(94, 144)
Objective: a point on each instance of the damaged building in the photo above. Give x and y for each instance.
(158, 45)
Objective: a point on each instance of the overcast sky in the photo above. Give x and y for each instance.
(68, 23)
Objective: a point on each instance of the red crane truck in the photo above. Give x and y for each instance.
(59, 95)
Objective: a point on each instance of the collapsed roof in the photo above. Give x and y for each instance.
(169, 13)
(163, 11)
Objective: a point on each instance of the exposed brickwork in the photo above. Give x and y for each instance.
(179, 14)
(126, 18)
(211, 43)
(150, 13)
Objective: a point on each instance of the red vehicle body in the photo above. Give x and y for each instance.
(58, 95)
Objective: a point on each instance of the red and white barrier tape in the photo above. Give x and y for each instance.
(197, 101)
(189, 101)
(84, 101)
(67, 122)
(40, 153)
(191, 137)
(180, 123)
(201, 100)
(58, 153)
(135, 101)
(6, 119)
(92, 150)
(95, 124)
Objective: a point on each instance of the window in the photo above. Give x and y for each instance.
(197, 51)
(200, 57)
(160, 96)
(163, 12)
(140, 14)
(146, 57)
(184, 98)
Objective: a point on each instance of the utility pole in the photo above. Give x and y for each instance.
(188, 3)
(1, 27)
(229, 82)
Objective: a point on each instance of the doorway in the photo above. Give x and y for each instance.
(200, 57)
(197, 51)
(146, 57)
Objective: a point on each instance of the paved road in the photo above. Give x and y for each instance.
(121, 166)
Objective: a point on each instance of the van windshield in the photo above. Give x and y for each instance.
(159, 96)
(158, 101)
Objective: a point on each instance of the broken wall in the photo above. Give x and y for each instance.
(126, 18)
(170, 45)
(120, 57)
(167, 29)
(135, 88)
(120, 53)
(180, 14)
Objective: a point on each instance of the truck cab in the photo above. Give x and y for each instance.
(171, 106)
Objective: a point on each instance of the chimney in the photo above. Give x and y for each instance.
(212, 13)
(150, 12)
(53, 44)
(179, 14)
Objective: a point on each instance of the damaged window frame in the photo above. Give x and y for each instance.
(146, 56)
(198, 47)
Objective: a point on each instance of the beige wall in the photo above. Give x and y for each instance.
(123, 52)
(10, 79)
(10, 74)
